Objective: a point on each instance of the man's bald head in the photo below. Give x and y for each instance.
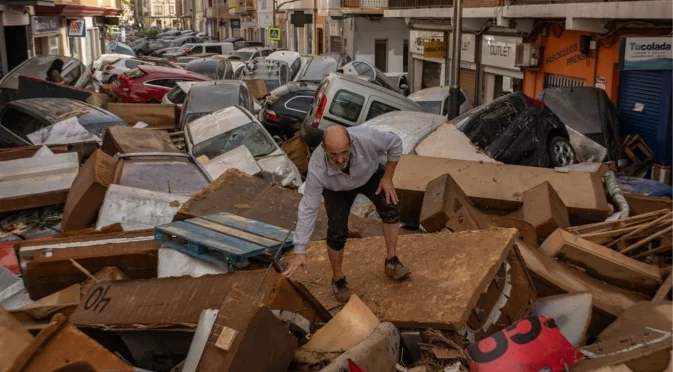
(337, 144)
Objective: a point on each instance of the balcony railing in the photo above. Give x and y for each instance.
(364, 4)
(419, 4)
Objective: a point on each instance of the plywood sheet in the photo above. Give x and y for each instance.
(159, 116)
(501, 186)
(449, 273)
(128, 140)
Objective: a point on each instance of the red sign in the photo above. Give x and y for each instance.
(532, 344)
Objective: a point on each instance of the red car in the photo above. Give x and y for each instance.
(149, 84)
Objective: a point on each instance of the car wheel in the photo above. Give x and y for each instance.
(561, 152)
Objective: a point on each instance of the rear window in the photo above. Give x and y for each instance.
(318, 68)
(206, 68)
(133, 63)
(379, 108)
(300, 103)
(347, 105)
(134, 73)
(217, 49)
(176, 95)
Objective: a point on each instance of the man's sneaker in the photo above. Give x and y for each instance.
(341, 290)
(395, 269)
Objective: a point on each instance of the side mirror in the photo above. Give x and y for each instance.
(256, 108)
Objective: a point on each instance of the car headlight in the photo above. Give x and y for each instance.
(284, 174)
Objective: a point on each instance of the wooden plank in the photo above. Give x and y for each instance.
(648, 239)
(641, 204)
(157, 116)
(664, 290)
(662, 249)
(501, 186)
(202, 237)
(602, 263)
(240, 234)
(611, 225)
(607, 298)
(527, 231)
(449, 273)
(246, 224)
(644, 227)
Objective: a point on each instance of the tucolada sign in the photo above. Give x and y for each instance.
(646, 53)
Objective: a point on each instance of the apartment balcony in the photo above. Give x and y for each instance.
(243, 7)
(416, 4)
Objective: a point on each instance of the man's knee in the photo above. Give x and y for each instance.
(336, 240)
(389, 212)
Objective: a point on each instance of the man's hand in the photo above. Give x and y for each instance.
(386, 184)
(297, 261)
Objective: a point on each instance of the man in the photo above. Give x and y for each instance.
(344, 165)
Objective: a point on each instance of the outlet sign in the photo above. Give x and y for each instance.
(499, 51)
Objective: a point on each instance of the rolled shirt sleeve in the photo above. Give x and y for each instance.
(308, 212)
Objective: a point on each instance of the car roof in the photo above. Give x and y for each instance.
(394, 74)
(169, 71)
(285, 55)
(221, 121)
(363, 82)
(431, 94)
(54, 110)
(253, 49)
(411, 126)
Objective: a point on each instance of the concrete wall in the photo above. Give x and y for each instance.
(366, 31)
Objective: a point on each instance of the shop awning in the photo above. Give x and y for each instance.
(76, 11)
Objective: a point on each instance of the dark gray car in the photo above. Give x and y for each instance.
(207, 97)
(216, 69)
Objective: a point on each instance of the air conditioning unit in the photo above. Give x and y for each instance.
(527, 55)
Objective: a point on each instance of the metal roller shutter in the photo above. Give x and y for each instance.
(640, 103)
(12, 17)
(335, 44)
(432, 72)
(467, 82)
(557, 81)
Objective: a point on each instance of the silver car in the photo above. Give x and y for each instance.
(435, 100)
(211, 136)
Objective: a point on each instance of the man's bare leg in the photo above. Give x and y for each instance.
(336, 259)
(390, 232)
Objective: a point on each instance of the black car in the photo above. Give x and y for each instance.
(176, 44)
(319, 67)
(22, 117)
(286, 107)
(517, 129)
(216, 69)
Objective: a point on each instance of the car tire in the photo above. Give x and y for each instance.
(561, 152)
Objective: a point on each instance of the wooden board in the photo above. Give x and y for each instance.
(127, 140)
(257, 199)
(449, 273)
(602, 263)
(157, 116)
(607, 298)
(222, 238)
(499, 186)
(257, 88)
(640, 204)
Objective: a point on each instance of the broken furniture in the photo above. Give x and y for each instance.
(224, 238)
(36, 181)
(156, 116)
(639, 153)
(543, 209)
(497, 186)
(127, 140)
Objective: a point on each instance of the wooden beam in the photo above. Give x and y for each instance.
(662, 292)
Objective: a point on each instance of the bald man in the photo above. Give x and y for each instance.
(344, 165)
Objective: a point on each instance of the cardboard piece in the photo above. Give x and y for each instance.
(44, 307)
(543, 208)
(297, 150)
(379, 352)
(641, 204)
(158, 116)
(602, 263)
(247, 337)
(14, 339)
(348, 328)
(257, 199)
(527, 232)
(61, 343)
(443, 200)
(171, 301)
(88, 191)
(640, 338)
(445, 285)
(563, 278)
(36, 181)
(239, 158)
(49, 268)
(497, 186)
(127, 140)
(257, 88)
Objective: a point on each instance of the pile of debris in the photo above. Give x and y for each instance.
(155, 266)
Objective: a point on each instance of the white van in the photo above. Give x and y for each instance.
(349, 100)
(216, 48)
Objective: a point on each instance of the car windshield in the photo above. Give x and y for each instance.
(35, 67)
(206, 68)
(252, 135)
(433, 107)
(461, 120)
(210, 98)
(244, 56)
(318, 68)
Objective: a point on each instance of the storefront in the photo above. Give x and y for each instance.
(14, 37)
(500, 75)
(645, 93)
(46, 35)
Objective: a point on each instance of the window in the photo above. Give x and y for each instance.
(242, 99)
(21, 123)
(300, 103)
(217, 49)
(176, 95)
(347, 105)
(197, 49)
(164, 83)
(158, 10)
(262, 4)
(381, 54)
(294, 68)
(379, 108)
(171, 9)
(221, 67)
(133, 63)
(492, 123)
(405, 56)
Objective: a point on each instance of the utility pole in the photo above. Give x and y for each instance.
(454, 90)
